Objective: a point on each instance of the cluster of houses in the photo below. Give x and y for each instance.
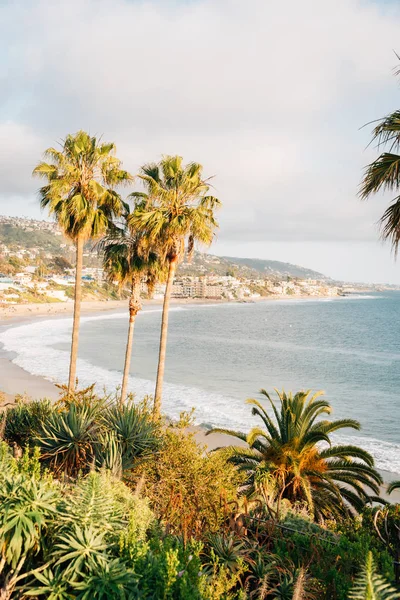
(212, 286)
(228, 287)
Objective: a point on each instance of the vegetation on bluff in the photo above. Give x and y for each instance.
(101, 501)
(294, 459)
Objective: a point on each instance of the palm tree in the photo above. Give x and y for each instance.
(395, 485)
(286, 460)
(79, 192)
(176, 208)
(127, 260)
(384, 174)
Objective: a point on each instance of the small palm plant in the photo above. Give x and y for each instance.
(128, 260)
(371, 586)
(175, 209)
(79, 191)
(286, 460)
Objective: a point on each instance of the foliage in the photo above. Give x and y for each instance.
(67, 439)
(383, 174)
(176, 206)
(187, 488)
(286, 461)
(370, 586)
(79, 185)
(126, 255)
(23, 420)
(83, 431)
(394, 485)
(135, 433)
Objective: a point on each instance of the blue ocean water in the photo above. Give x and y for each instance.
(219, 355)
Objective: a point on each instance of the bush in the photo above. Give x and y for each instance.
(22, 422)
(85, 431)
(187, 488)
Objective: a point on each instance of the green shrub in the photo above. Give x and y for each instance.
(188, 489)
(23, 421)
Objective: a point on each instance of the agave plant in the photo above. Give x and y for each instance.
(24, 419)
(230, 551)
(135, 431)
(28, 508)
(81, 551)
(110, 580)
(67, 439)
(108, 452)
(294, 459)
(50, 583)
(371, 586)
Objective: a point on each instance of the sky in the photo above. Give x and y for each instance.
(269, 96)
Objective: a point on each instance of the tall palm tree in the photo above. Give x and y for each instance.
(286, 460)
(80, 194)
(384, 174)
(127, 261)
(175, 209)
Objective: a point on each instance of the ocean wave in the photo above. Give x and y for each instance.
(32, 344)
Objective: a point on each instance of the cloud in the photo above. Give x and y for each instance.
(268, 96)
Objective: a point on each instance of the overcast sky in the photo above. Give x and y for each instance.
(269, 96)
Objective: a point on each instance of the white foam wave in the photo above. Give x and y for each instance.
(386, 454)
(33, 344)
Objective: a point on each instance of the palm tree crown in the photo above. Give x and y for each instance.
(176, 206)
(294, 459)
(126, 257)
(80, 181)
(383, 174)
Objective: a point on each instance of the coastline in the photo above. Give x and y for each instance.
(15, 381)
(45, 309)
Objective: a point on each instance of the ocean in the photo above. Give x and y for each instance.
(220, 355)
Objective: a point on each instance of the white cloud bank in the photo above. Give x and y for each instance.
(268, 96)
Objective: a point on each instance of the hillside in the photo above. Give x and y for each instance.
(14, 236)
(44, 237)
(245, 267)
(275, 267)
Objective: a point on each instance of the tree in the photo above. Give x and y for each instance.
(286, 460)
(127, 260)
(176, 208)
(384, 174)
(79, 193)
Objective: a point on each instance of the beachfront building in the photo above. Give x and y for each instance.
(195, 288)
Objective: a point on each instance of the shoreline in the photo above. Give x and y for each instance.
(37, 309)
(14, 380)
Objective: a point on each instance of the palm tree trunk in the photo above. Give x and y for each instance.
(77, 313)
(163, 339)
(134, 307)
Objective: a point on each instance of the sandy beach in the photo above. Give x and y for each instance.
(16, 381)
(18, 311)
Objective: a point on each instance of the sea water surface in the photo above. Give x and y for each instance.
(219, 355)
